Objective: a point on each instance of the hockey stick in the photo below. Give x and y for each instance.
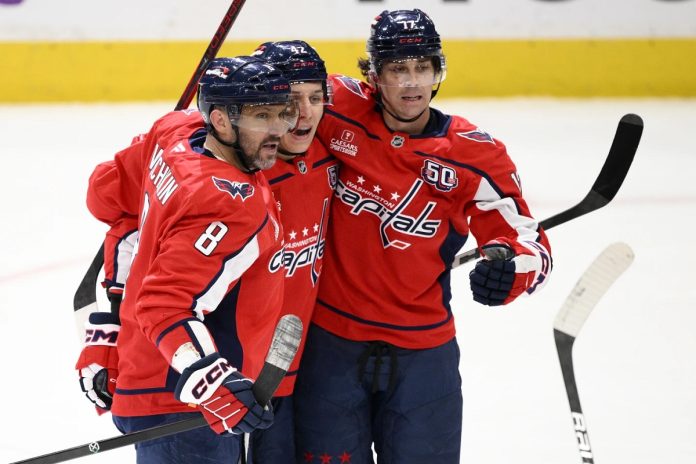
(85, 300)
(210, 52)
(596, 280)
(286, 341)
(605, 187)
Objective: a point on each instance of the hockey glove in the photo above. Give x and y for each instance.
(223, 395)
(508, 270)
(97, 365)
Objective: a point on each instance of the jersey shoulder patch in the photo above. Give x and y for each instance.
(242, 190)
(351, 84)
(477, 135)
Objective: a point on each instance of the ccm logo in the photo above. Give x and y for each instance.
(209, 379)
(101, 337)
(411, 40)
(280, 87)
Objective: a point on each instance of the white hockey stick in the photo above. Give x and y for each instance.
(593, 284)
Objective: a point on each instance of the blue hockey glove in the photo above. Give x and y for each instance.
(508, 270)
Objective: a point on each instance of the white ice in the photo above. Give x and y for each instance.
(635, 358)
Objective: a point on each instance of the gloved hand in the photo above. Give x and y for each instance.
(97, 365)
(223, 395)
(508, 270)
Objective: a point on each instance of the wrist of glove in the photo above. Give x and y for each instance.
(97, 366)
(223, 395)
(508, 270)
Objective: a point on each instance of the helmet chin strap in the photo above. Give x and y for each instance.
(435, 90)
(239, 153)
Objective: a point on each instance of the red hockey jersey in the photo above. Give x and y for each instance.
(206, 234)
(405, 205)
(303, 189)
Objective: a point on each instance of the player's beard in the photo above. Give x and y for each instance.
(264, 153)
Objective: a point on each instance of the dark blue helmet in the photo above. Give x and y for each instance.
(296, 58)
(401, 34)
(298, 61)
(234, 82)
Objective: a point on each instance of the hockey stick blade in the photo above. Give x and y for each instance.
(593, 284)
(284, 346)
(286, 341)
(605, 187)
(586, 293)
(85, 300)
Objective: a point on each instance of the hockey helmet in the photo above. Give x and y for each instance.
(244, 80)
(404, 34)
(298, 61)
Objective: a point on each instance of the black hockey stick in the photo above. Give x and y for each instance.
(605, 187)
(286, 341)
(85, 300)
(210, 52)
(594, 283)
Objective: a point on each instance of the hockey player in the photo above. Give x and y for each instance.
(381, 364)
(200, 303)
(302, 181)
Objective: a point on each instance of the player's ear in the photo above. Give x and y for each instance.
(219, 120)
(372, 78)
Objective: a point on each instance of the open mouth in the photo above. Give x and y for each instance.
(270, 145)
(301, 132)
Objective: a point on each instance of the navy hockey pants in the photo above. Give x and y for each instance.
(276, 444)
(350, 395)
(200, 445)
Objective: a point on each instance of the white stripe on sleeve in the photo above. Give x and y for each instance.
(487, 199)
(232, 270)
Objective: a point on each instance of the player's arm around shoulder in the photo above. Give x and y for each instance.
(113, 190)
(115, 186)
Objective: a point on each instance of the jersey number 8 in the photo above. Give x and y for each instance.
(209, 239)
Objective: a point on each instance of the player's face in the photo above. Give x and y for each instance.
(310, 100)
(260, 130)
(406, 85)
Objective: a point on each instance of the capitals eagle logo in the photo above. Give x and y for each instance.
(243, 190)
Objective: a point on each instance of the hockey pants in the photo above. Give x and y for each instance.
(352, 395)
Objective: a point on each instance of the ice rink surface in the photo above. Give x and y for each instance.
(635, 358)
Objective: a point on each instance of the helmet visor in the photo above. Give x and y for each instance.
(322, 96)
(272, 118)
(416, 71)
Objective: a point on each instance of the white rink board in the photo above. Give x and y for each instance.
(85, 20)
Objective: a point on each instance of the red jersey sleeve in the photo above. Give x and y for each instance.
(498, 211)
(202, 225)
(202, 251)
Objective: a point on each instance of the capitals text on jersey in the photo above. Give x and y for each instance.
(312, 250)
(352, 195)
